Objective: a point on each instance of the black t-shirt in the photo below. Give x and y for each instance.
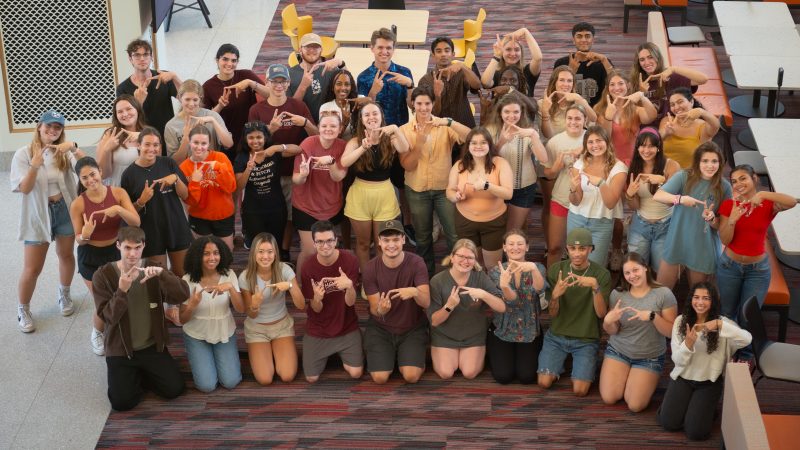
(263, 188)
(530, 79)
(163, 214)
(590, 80)
(158, 104)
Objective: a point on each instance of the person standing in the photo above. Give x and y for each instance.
(311, 79)
(591, 68)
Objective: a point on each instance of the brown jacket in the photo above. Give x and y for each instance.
(112, 307)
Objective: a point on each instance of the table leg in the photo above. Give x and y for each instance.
(772, 97)
(705, 18)
(756, 99)
(794, 306)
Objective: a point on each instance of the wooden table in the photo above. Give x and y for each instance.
(754, 14)
(356, 25)
(776, 137)
(358, 59)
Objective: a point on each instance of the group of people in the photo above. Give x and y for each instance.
(326, 149)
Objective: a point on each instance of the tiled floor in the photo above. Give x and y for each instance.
(53, 387)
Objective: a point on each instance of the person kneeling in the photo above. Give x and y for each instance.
(129, 297)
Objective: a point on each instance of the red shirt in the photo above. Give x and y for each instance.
(288, 133)
(750, 231)
(405, 315)
(235, 114)
(336, 318)
(320, 197)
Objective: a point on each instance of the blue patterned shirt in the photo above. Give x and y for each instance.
(392, 97)
(520, 322)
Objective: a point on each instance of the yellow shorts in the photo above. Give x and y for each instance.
(371, 200)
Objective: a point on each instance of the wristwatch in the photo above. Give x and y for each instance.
(449, 121)
(448, 309)
(486, 186)
(652, 316)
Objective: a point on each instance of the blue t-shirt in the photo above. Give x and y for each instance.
(392, 97)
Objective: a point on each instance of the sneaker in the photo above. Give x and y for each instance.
(25, 320)
(615, 262)
(98, 342)
(65, 302)
(411, 234)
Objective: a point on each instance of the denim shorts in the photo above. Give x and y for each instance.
(60, 222)
(523, 197)
(555, 350)
(655, 365)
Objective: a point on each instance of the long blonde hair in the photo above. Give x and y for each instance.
(386, 153)
(551, 85)
(611, 158)
(276, 269)
(467, 244)
(61, 159)
(629, 120)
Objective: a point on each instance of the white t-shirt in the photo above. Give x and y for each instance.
(212, 320)
(562, 142)
(592, 206)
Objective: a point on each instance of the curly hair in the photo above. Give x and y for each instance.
(193, 264)
(690, 315)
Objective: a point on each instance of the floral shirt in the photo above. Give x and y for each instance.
(520, 322)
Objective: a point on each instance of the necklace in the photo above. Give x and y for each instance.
(584, 271)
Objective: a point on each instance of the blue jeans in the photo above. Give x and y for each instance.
(655, 365)
(601, 230)
(737, 282)
(647, 239)
(555, 350)
(213, 362)
(422, 205)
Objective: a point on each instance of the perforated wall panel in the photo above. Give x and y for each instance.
(57, 54)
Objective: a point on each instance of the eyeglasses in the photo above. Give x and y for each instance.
(464, 257)
(322, 243)
(140, 55)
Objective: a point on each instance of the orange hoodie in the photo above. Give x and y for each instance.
(210, 198)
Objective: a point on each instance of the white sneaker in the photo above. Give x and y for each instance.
(98, 342)
(25, 320)
(65, 302)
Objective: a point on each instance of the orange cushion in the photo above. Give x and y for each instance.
(703, 59)
(788, 2)
(781, 430)
(711, 87)
(778, 291)
(717, 105)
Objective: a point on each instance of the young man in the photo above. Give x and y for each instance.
(450, 83)
(328, 282)
(578, 291)
(591, 68)
(153, 89)
(396, 284)
(129, 296)
(289, 122)
(311, 79)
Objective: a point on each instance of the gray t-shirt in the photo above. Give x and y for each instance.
(315, 94)
(467, 324)
(173, 131)
(639, 339)
(274, 305)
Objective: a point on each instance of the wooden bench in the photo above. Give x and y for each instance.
(743, 425)
(778, 293)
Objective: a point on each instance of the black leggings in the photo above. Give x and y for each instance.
(147, 367)
(509, 360)
(690, 405)
(271, 221)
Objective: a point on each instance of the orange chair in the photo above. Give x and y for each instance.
(650, 5)
(472, 33)
(295, 27)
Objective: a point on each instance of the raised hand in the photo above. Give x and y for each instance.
(150, 272)
(497, 47)
(453, 299)
(89, 225)
(276, 122)
(406, 293)
(140, 94)
(505, 276)
(305, 165)
(633, 186)
(563, 283)
(308, 77)
(319, 290)
(147, 193)
(644, 85)
(384, 303)
(438, 84)
(166, 181)
(111, 139)
(224, 99)
(669, 126)
(643, 314)
(615, 314)
(126, 278)
(197, 174)
(399, 79)
(377, 82)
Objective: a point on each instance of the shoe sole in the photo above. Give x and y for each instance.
(67, 312)
(27, 331)
(100, 353)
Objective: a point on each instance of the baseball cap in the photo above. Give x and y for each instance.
(310, 38)
(391, 225)
(52, 116)
(579, 236)
(277, 71)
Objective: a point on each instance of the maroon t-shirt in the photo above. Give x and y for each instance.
(336, 318)
(235, 114)
(405, 315)
(320, 197)
(288, 133)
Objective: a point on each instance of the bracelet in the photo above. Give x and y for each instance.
(284, 145)
(305, 123)
(448, 309)
(676, 200)
(496, 58)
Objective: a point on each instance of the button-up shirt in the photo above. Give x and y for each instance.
(392, 97)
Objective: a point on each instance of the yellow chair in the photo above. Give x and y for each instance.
(472, 33)
(295, 27)
(293, 59)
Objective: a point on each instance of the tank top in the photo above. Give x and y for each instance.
(102, 231)
(624, 142)
(480, 205)
(649, 209)
(681, 148)
(120, 160)
(378, 173)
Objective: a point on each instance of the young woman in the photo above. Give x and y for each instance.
(512, 81)
(98, 212)
(559, 95)
(158, 186)
(515, 336)
(268, 328)
(743, 269)
(649, 224)
(622, 111)
(508, 52)
(686, 127)
(231, 92)
(692, 239)
(317, 191)
(638, 323)
(42, 172)
(478, 185)
(209, 331)
(519, 144)
(427, 162)
(343, 95)
(176, 132)
(118, 147)
(459, 297)
(563, 150)
(257, 169)
(211, 185)
(651, 75)
(702, 343)
(597, 180)
(371, 199)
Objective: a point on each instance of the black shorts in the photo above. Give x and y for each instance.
(90, 258)
(219, 228)
(303, 221)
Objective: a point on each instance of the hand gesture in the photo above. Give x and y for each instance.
(150, 272)
(686, 118)
(384, 303)
(88, 226)
(224, 99)
(238, 88)
(708, 212)
(400, 79)
(37, 160)
(147, 193)
(691, 337)
(63, 147)
(633, 185)
(276, 122)
(476, 294)
(459, 195)
(342, 282)
(644, 85)
(305, 165)
(377, 82)
(438, 84)
(505, 276)
(406, 293)
(592, 57)
(195, 297)
(547, 101)
(218, 289)
(615, 314)
(497, 47)
(669, 125)
(308, 77)
(163, 77)
(319, 290)
(197, 174)
(574, 62)
(574, 179)
(297, 120)
(166, 181)
(281, 286)
(257, 299)
(140, 94)
(738, 210)
(453, 299)
(583, 281)
(111, 140)
(126, 278)
(562, 284)
(643, 314)
(331, 64)
(478, 182)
